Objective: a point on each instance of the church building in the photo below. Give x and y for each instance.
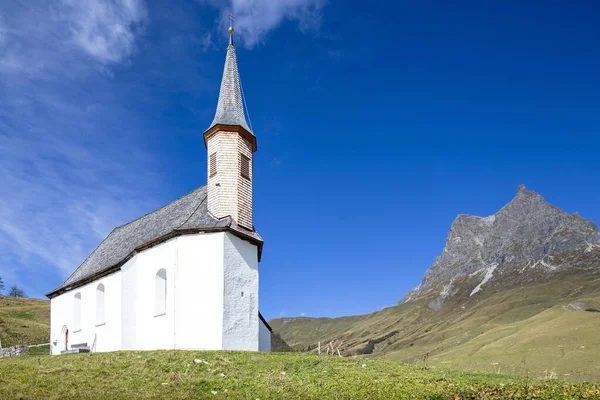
(184, 276)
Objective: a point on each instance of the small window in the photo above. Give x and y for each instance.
(77, 313)
(100, 314)
(212, 165)
(245, 166)
(160, 303)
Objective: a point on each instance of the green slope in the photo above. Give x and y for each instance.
(24, 321)
(244, 375)
(540, 329)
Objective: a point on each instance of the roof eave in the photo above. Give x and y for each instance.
(214, 129)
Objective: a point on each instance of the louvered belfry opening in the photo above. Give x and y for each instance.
(212, 165)
(244, 166)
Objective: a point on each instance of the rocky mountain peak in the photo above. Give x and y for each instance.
(523, 240)
(526, 202)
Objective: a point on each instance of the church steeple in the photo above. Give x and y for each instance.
(230, 144)
(230, 107)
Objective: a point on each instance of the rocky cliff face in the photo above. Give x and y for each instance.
(528, 239)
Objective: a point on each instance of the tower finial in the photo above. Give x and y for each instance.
(230, 29)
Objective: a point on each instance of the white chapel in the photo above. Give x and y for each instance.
(184, 276)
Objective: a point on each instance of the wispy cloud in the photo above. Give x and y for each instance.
(46, 36)
(105, 29)
(254, 19)
(206, 42)
(69, 173)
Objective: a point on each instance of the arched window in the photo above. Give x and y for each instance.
(100, 314)
(77, 313)
(160, 293)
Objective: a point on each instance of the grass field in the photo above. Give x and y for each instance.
(542, 329)
(239, 375)
(24, 321)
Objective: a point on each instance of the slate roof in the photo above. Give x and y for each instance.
(188, 214)
(230, 107)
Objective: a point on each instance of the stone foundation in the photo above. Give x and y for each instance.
(14, 351)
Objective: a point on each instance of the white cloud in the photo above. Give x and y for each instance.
(255, 18)
(72, 166)
(46, 37)
(105, 29)
(206, 42)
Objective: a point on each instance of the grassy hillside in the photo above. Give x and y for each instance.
(538, 329)
(24, 321)
(242, 375)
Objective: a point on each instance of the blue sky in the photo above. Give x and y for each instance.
(377, 124)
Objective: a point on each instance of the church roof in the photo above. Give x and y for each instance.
(230, 107)
(188, 214)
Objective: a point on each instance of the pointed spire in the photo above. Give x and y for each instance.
(230, 107)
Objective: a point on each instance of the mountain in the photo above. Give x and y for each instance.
(516, 291)
(528, 240)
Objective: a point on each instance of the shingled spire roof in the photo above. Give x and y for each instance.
(230, 108)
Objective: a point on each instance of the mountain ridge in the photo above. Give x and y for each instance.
(522, 283)
(525, 234)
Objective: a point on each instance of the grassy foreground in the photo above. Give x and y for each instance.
(238, 375)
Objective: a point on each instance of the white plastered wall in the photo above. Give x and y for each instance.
(128, 295)
(199, 291)
(152, 331)
(105, 337)
(193, 318)
(240, 308)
